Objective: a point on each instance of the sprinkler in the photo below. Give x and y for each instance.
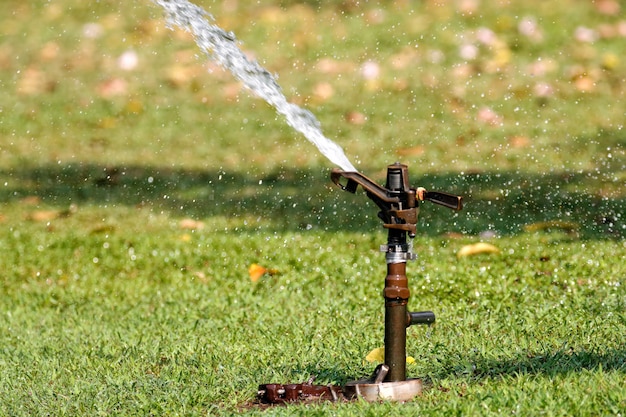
(399, 208)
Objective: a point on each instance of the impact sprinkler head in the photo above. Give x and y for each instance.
(399, 203)
(399, 208)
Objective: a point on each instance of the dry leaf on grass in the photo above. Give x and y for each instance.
(33, 82)
(355, 118)
(112, 87)
(569, 227)
(256, 271)
(191, 224)
(413, 151)
(477, 249)
(378, 355)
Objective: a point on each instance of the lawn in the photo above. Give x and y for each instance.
(139, 183)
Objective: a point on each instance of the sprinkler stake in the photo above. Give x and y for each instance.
(399, 208)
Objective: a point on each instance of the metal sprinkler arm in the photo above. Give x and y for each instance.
(399, 203)
(379, 194)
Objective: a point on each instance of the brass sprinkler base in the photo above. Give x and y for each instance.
(374, 389)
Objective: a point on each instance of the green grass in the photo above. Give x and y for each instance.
(112, 306)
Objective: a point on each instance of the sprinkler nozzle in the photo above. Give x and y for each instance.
(398, 202)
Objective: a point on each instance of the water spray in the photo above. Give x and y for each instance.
(222, 48)
(398, 203)
(399, 208)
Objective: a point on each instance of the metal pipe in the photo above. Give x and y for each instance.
(396, 295)
(420, 317)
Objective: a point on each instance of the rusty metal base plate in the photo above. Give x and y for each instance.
(370, 389)
(304, 392)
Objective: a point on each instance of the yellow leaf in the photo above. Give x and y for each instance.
(570, 227)
(477, 249)
(376, 355)
(256, 271)
(610, 61)
(134, 107)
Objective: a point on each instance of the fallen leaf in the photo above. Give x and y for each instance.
(43, 215)
(49, 51)
(519, 141)
(48, 215)
(607, 7)
(610, 61)
(585, 84)
(180, 76)
(323, 91)
(201, 277)
(191, 224)
(543, 90)
(501, 58)
(378, 355)
(112, 87)
(355, 118)
(134, 106)
(404, 59)
(468, 7)
(477, 249)
(331, 66)
(31, 200)
(34, 81)
(569, 227)
(489, 116)
(230, 91)
(413, 151)
(107, 123)
(375, 16)
(584, 34)
(102, 229)
(256, 271)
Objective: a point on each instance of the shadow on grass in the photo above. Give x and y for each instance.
(549, 364)
(586, 203)
(559, 362)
